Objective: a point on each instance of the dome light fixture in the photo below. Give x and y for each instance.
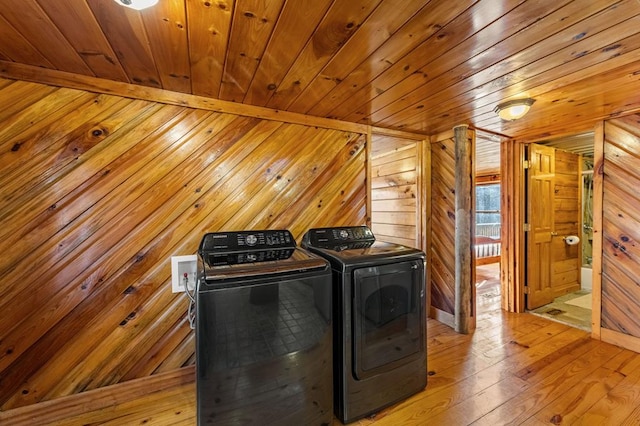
(512, 110)
(137, 4)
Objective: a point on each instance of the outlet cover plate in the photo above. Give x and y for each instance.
(179, 266)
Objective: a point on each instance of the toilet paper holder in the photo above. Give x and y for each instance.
(571, 240)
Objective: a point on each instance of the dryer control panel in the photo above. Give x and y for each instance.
(242, 241)
(346, 237)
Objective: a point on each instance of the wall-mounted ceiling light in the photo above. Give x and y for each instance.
(136, 4)
(512, 110)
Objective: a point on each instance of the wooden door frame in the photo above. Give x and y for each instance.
(513, 207)
(512, 214)
(596, 259)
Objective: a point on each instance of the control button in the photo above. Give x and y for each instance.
(344, 234)
(251, 240)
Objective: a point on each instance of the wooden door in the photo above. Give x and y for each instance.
(540, 191)
(566, 259)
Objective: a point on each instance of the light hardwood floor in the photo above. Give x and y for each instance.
(514, 369)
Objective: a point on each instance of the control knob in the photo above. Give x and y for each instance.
(251, 240)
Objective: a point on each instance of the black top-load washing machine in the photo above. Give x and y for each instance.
(379, 319)
(264, 352)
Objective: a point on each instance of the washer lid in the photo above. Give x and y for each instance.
(243, 254)
(253, 263)
(352, 244)
(378, 250)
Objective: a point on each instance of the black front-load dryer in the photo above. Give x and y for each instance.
(379, 319)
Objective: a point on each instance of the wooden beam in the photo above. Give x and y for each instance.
(92, 84)
(463, 253)
(400, 133)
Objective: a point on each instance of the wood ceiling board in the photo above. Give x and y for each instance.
(423, 66)
(579, 112)
(521, 59)
(27, 17)
(452, 59)
(293, 30)
(253, 22)
(598, 78)
(340, 23)
(410, 37)
(165, 24)
(16, 48)
(454, 25)
(208, 29)
(374, 32)
(126, 33)
(77, 23)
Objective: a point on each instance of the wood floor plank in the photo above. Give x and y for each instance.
(514, 369)
(579, 399)
(620, 404)
(447, 392)
(549, 364)
(472, 408)
(526, 404)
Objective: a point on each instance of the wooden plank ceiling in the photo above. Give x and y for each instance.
(418, 65)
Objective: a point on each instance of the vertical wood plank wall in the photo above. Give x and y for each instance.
(441, 254)
(395, 190)
(566, 259)
(98, 191)
(619, 168)
(511, 219)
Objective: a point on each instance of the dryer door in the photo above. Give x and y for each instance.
(388, 316)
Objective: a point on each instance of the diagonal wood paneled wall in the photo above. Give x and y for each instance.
(441, 253)
(98, 191)
(620, 171)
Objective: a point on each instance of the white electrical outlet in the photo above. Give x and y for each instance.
(184, 271)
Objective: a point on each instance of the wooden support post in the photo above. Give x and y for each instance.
(463, 204)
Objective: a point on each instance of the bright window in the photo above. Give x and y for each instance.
(488, 210)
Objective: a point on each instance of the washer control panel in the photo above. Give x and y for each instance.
(230, 242)
(253, 256)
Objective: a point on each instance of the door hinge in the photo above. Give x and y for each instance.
(525, 164)
(526, 227)
(526, 289)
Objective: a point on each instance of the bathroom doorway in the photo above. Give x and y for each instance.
(571, 234)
